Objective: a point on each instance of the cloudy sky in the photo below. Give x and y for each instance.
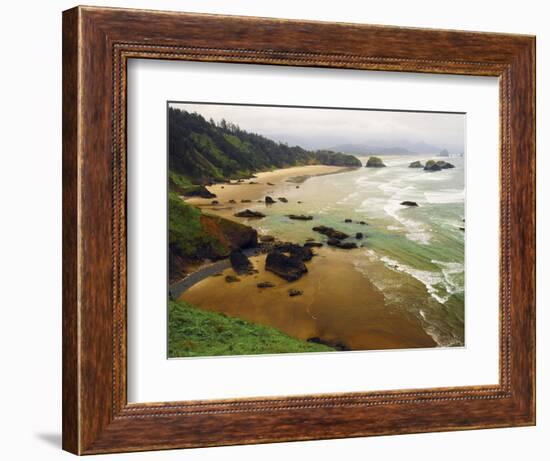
(324, 128)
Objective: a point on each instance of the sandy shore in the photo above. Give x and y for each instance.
(338, 303)
(331, 306)
(265, 183)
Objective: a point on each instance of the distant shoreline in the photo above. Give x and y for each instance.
(256, 188)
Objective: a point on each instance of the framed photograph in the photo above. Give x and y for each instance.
(284, 230)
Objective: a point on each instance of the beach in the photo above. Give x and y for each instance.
(402, 287)
(273, 183)
(331, 306)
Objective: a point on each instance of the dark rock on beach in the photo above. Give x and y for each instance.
(269, 200)
(282, 199)
(289, 268)
(199, 191)
(265, 285)
(375, 162)
(300, 217)
(338, 345)
(348, 220)
(232, 201)
(232, 279)
(215, 202)
(363, 223)
(249, 214)
(313, 244)
(303, 253)
(294, 292)
(240, 262)
(270, 184)
(359, 235)
(267, 238)
(330, 232)
(245, 200)
(409, 203)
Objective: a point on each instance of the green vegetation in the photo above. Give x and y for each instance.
(194, 332)
(375, 162)
(185, 230)
(202, 151)
(194, 236)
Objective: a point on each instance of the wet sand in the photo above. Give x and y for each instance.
(257, 188)
(338, 304)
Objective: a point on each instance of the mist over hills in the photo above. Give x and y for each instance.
(399, 148)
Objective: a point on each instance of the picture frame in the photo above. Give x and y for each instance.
(97, 45)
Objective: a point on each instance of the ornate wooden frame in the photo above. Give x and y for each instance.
(97, 43)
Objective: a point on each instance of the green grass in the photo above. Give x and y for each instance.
(185, 230)
(180, 184)
(195, 332)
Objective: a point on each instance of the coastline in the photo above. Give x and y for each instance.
(343, 300)
(328, 307)
(257, 188)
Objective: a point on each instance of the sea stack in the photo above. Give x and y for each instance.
(375, 162)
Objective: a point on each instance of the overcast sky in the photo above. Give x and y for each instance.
(325, 128)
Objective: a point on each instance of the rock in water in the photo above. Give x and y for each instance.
(343, 245)
(289, 268)
(312, 244)
(409, 203)
(433, 165)
(444, 165)
(300, 217)
(359, 235)
(282, 199)
(416, 164)
(249, 214)
(347, 245)
(269, 200)
(240, 262)
(294, 292)
(348, 220)
(375, 162)
(330, 232)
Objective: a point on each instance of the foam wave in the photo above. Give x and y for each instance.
(445, 196)
(415, 230)
(428, 278)
(390, 288)
(452, 273)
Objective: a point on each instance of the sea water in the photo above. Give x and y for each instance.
(413, 255)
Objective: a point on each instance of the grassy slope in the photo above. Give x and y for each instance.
(194, 332)
(185, 230)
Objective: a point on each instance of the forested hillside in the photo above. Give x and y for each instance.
(201, 152)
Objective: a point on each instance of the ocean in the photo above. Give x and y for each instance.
(413, 255)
